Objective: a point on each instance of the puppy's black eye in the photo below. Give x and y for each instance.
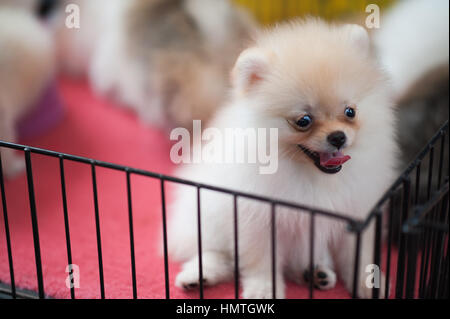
(305, 122)
(350, 112)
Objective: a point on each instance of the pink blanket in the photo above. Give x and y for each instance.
(96, 129)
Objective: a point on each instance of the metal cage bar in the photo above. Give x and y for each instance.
(401, 261)
(164, 229)
(98, 233)
(199, 241)
(66, 223)
(356, 263)
(389, 246)
(131, 232)
(34, 224)
(7, 234)
(236, 247)
(274, 250)
(311, 255)
(377, 251)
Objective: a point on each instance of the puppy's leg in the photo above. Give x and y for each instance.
(12, 164)
(345, 259)
(256, 271)
(216, 268)
(257, 283)
(323, 276)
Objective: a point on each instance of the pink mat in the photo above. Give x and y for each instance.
(96, 129)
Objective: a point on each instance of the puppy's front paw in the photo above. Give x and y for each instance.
(323, 277)
(262, 289)
(215, 269)
(188, 279)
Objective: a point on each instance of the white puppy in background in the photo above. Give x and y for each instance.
(320, 87)
(26, 67)
(412, 41)
(413, 46)
(165, 59)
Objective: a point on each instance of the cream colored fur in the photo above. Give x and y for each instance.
(290, 69)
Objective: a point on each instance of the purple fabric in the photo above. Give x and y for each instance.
(47, 113)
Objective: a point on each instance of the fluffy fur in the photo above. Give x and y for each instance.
(296, 68)
(26, 66)
(413, 45)
(171, 57)
(412, 40)
(76, 46)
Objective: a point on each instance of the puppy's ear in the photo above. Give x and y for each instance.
(251, 67)
(358, 36)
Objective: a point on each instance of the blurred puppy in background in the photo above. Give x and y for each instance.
(75, 46)
(413, 46)
(166, 59)
(26, 66)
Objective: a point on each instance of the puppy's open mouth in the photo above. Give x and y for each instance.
(330, 163)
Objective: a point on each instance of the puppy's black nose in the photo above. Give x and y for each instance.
(337, 139)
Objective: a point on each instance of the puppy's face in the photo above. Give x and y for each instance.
(322, 134)
(311, 88)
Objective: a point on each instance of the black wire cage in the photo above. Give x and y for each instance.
(411, 218)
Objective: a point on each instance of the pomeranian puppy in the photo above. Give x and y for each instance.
(26, 67)
(319, 86)
(165, 59)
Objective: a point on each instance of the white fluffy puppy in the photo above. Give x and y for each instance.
(318, 85)
(26, 66)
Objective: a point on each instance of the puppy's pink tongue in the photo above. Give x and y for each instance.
(333, 159)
